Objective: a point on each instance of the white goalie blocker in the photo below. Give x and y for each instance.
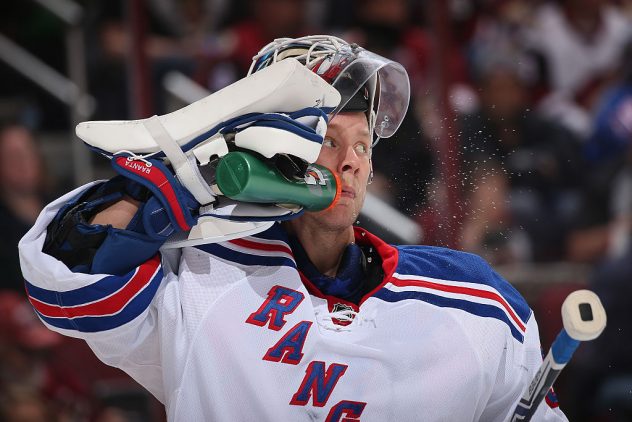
(188, 138)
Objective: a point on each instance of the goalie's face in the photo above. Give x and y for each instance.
(346, 150)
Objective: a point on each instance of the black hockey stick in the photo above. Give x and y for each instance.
(584, 319)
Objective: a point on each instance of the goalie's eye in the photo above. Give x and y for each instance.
(361, 149)
(328, 142)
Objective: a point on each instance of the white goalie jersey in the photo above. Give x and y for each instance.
(234, 332)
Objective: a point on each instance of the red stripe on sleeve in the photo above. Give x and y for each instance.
(462, 290)
(261, 246)
(106, 306)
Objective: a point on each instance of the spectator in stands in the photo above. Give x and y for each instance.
(523, 171)
(579, 43)
(114, 414)
(175, 35)
(499, 30)
(20, 404)
(603, 379)
(21, 197)
(26, 360)
(608, 186)
(603, 375)
(229, 53)
(42, 34)
(393, 28)
(598, 387)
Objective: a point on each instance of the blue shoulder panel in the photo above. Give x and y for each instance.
(248, 251)
(422, 270)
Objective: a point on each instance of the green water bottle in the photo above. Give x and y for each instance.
(243, 177)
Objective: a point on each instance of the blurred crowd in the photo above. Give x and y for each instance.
(534, 98)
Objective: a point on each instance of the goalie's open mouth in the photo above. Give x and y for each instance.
(348, 192)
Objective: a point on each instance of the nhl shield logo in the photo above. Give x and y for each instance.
(342, 307)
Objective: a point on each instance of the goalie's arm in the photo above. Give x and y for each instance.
(115, 226)
(118, 215)
(114, 313)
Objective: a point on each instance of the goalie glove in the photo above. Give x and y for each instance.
(278, 114)
(168, 211)
(282, 146)
(168, 208)
(103, 249)
(284, 143)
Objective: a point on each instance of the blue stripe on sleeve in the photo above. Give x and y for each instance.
(479, 309)
(94, 324)
(90, 293)
(246, 258)
(448, 264)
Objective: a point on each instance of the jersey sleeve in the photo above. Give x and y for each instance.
(517, 368)
(119, 316)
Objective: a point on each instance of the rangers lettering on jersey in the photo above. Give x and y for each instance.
(350, 410)
(318, 383)
(289, 348)
(319, 380)
(281, 301)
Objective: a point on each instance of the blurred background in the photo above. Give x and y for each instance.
(517, 146)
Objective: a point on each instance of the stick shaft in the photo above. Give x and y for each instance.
(561, 352)
(584, 319)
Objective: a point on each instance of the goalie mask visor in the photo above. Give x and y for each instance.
(365, 80)
(382, 83)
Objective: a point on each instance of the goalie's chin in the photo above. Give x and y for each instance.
(337, 218)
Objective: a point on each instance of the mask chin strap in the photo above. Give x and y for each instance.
(372, 114)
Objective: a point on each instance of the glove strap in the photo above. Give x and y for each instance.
(186, 169)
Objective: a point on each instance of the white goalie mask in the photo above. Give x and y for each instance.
(366, 81)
